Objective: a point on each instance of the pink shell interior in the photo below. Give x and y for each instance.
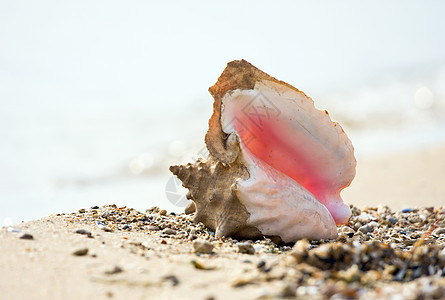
(305, 145)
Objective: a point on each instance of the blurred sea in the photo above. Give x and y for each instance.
(62, 158)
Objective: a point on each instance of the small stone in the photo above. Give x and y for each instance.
(12, 229)
(169, 231)
(200, 266)
(365, 229)
(100, 225)
(414, 219)
(202, 246)
(373, 224)
(153, 209)
(26, 236)
(81, 252)
(83, 231)
(258, 247)
(81, 211)
(301, 249)
(364, 218)
(163, 212)
(406, 210)
(164, 242)
(346, 230)
(95, 207)
(173, 279)
(261, 264)
(393, 220)
(152, 227)
(116, 269)
(246, 248)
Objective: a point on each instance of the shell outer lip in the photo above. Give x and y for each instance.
(239, 74)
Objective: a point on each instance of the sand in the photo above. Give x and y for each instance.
(150, 264)
(409, 179)
(45, 267)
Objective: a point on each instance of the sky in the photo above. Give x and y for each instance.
(119, 53)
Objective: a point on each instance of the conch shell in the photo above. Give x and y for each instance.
(276, 164)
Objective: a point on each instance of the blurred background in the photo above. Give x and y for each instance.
(98, 98)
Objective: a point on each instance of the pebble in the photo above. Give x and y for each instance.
(81, 211)
(258, 247)
(393, 220)
(114, 270)
(365, 229)
(81, 252)
(163, 212)
(169, 231)
(199, 266)
(346, 230)
(246, 248)
(84, 232)
(202, 246)
(101, 225)
(261, 264)
(12, 229)
(364, 218)
(26, 236)
(406, 210)
(373, 224)
(152, 227)
(172, 278)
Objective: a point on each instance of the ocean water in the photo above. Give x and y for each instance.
(97, 100)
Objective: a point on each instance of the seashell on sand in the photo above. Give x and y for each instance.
(276, 165)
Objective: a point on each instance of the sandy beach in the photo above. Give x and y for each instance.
(408, 179)
(113, 253)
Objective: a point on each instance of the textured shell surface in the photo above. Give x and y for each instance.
(276, 166)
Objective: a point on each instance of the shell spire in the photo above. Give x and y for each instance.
(211, 187)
